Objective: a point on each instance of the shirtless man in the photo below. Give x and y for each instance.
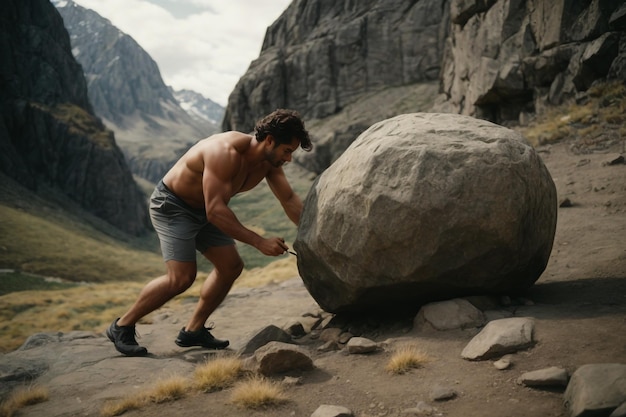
(189, 211)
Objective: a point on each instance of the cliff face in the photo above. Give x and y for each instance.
(49, 136)
(321, 55)
(509, 57)
(128, 92)
(493, 59)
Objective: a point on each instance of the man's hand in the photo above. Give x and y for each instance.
(273, 246)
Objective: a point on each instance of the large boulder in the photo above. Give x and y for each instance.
(423, 207)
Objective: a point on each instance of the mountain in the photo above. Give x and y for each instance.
(50, 139)
(199, 107)
(345, 65)
(128, 93)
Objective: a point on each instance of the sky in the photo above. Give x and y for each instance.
(201, 45)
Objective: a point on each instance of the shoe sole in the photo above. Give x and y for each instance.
(179, 343)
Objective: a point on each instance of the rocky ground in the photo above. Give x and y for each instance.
(578, 306)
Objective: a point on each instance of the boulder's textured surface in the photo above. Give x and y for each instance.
(423, 207)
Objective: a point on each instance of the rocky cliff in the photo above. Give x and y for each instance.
(494, 59)
(49, 135)
(127, 91)
(509, 57)
(321, 55)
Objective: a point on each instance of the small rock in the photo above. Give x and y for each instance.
(332, 411)
(448, 315)
(328, 346)
(295, 329)
(499, 337)
(277, 357)
(566, 202)
(421, 409)
(503, 363)
(440, 393)
(616, 160)
(330, 334)
(596, 388)
(361, 345)
(291, 381)
(552, 376)
(345, 337)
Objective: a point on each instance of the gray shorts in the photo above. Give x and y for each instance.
(181, 228)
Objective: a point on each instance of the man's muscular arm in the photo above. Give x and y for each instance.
(217, 181)
(290, 201)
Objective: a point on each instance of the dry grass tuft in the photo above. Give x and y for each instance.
(170, 389)
(116, 408)
(257, 392)
(406, 357)
(602, 113)
(23, 397)
(165, 390)
(217, 374)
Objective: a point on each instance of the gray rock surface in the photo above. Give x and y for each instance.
(552, 376)
(500, 337)
(596, 389)
(450, 314)
(423, 207)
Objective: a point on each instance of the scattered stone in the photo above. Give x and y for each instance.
(310, 322)
(262, 337)
(292, 381)
(295, 329)
(277, 357)
(596, 389)
(329, 346)
(421, 409)
(547, 377)
(615, 160)
(330, 334)
(447, 315)
(345, 337)
(500, 337)
(332, 411)
(361, 345)
(503, 363)
(566, 202)
(440, 393)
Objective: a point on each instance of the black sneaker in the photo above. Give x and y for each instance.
(202, 338)
(123, 337)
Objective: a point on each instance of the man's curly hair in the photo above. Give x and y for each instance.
(284, 125)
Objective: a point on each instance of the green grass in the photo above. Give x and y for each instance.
(18, 281)
(38, 245)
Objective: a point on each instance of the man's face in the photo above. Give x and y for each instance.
(281, 154)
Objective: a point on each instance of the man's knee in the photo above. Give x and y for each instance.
(231, 270)
(180, 282)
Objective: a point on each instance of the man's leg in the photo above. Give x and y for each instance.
(227, 268)
(180, 276)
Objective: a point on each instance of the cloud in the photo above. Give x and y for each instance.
(202, 45)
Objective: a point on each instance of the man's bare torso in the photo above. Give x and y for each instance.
(228, 152)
